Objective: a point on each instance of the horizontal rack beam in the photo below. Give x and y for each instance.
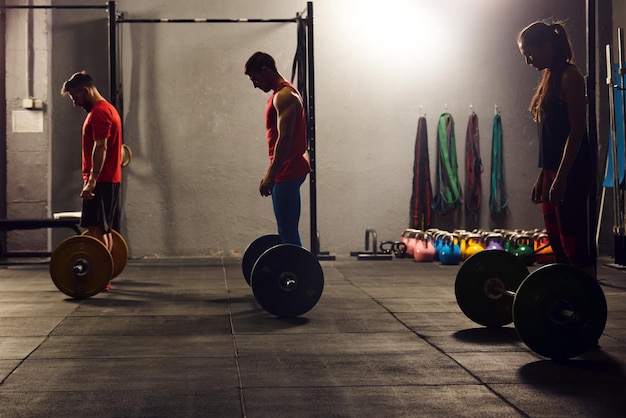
(123, 20)
(104, 6)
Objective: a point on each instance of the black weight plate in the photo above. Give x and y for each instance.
(254, 251)
(274, 268)
(537, 307)
(477, 275)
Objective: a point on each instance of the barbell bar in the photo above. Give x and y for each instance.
(558, 310)
(286, 280)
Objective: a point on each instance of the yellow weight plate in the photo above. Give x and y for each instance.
(81, 266)
(119, 253)
(127, 155)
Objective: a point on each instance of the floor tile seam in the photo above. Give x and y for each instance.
(42, 342)
(138, 357)
(365, 385)
(473, 375)
(108, 391)
(275, 332)
(609, 334)
(242, 401)
(81, 316)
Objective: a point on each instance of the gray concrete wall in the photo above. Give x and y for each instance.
(196, 125)
(27, 131)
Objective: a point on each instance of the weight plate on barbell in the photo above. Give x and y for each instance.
(81, 266)
(287, 280)
(476, 279)
(254, 251)
(127, 155)
(559, 311)
(119, 253)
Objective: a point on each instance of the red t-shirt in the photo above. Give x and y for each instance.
(102, 122)
(296, 165)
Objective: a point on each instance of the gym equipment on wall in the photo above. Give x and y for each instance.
(447, 195)
(473, 166)
(498, 199)
(421, 197)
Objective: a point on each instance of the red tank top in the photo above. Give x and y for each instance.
(102, 122)
(296, 165)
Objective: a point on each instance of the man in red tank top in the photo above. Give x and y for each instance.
(287, 144)
(102, 157)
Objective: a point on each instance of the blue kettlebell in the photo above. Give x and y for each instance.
(450, 253)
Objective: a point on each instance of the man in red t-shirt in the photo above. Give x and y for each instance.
(287, 144)
(101, 157)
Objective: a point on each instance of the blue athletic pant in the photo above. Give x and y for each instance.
(287, 205)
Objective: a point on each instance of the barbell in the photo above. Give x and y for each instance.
(286, 280)
(81, 265)
(558, 310)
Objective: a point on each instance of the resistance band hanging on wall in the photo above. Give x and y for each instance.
(422, 189)
(473, 165)
(497, 200)
(447, 195)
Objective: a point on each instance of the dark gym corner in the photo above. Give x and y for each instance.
(3, 127)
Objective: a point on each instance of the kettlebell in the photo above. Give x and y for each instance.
(494, 241)
(544, 253)
(474, 245)
(424, 250)
(450, 253)
(399, 249)
(524, 248)
(410, 244)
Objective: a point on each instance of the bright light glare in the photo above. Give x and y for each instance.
(398, 31)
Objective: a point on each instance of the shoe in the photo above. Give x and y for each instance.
(107, 287)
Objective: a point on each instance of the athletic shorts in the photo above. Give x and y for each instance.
(100, 211)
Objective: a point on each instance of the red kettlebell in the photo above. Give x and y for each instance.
(424, 250)
(410, 244)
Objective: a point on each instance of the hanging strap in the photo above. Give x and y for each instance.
(448, 195)
(473, 165)
(422, 189)
(498, 200)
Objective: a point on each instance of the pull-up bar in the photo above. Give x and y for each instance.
(123, 20)
(102, 6)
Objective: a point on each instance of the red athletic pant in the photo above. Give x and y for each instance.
(568, 223)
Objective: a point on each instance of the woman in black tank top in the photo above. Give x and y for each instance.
(566, 182)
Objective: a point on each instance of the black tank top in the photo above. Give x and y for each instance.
(553, 132)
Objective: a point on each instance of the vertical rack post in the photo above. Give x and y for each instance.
(311, 129)
(621, 257)
(112, 25)
(618, 233)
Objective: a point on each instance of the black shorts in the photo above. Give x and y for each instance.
(100, 211)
